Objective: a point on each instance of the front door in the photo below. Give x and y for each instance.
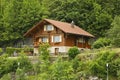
(56, 51)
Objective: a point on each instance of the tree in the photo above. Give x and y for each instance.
(17, 17)
(87, 14)
(114, 32)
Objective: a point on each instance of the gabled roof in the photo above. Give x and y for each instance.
(65, 27)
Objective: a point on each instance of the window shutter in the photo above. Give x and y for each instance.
(52, 27)
(40, 40)
(52, 38)
(47, 40)
(44, 27)
(60, 38)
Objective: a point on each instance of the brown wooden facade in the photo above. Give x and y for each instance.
(67, 39)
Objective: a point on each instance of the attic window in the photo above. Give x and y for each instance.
(48, 28)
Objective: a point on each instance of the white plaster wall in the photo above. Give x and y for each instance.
(36, 50)
(62, 49)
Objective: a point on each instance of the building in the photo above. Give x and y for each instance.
(60, 35)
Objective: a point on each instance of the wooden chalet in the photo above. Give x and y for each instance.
(60, 35)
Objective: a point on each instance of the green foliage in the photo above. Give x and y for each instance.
(101, 42)
(1, 50)
(17, 16)
(20, 74)
(98, 66)
(6, 77)
(97, 69)
(43, 51)
(118, 74)
(88, 14)
(7, 65)
(42, 67)
(59, 70)
(11, 50)
(72, 52)
(62, 70)
(115, 66)
(24, 62)
(27, 49)
(114, 33)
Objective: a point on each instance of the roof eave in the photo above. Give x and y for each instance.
(27, 33)
(81, 35)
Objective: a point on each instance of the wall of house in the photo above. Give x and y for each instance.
(62, 49)
(35, 51)
(49, 34)
(84, 45)
(70, 40)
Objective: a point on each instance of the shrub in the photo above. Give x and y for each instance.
(43, 51)
(7, 65)
(20, 74)
(101, 42)
(115, 68)
(62, 70)
(6, 77)
(98, 66)
(11, 50)
(72, 52)
(27, 48)
(24, 62)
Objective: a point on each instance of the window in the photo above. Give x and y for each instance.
(43, 39)
(81, 40)
(56, 38)
(48, 28)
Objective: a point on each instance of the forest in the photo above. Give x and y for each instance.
(99, 17)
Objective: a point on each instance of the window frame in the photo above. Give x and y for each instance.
(44, 39)
(81, 40)
(59, 37)
(48, 27)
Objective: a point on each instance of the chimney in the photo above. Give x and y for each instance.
(72, 24)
